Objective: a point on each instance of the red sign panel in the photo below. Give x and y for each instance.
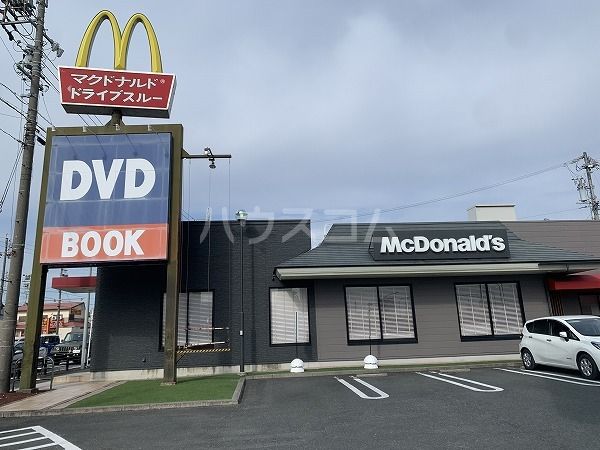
(105, 243)
(100, 91)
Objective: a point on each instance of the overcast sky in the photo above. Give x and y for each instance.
(344, 106)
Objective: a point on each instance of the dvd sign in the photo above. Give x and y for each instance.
(107, 198)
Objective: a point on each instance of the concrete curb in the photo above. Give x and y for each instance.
(241, 385)
(235, 400)
(384, 369)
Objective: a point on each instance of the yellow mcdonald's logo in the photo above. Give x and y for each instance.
(121, 41)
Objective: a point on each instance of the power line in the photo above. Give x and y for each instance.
(10, 136)
(93, 118)
(9, 115)
(11, 106)
(7, 49)
(451, 196)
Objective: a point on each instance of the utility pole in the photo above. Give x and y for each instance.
(590, 164)
(8, 324)
(587, 194)
(4, 258)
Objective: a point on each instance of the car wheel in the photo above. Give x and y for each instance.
(587, 367)
(527, 359)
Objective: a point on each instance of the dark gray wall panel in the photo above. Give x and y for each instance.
(128, 313)
(436, 318)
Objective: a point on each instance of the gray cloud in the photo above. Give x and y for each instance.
(364, 105)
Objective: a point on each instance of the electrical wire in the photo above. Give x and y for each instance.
(11, 106)
(94, 118)
(553, 212)
(10, 135)
(7, 49)
(9, 115)
(449, 197)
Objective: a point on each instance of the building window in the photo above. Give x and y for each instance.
(289, 316)
(380, 313)
(492, 309)
(195, 319)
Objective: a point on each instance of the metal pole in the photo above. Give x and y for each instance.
(4, 258)
(8, 325)
(242, 297)
(58, 313)
(589, 165)
(85, 330)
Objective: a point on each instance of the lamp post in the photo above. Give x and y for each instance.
(63, 273)
(241, 217)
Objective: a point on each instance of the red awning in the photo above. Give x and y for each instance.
(76, 285)
(575, 283)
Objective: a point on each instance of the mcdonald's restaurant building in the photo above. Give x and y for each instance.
(417, 292)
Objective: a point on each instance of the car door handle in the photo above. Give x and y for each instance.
(548, 340)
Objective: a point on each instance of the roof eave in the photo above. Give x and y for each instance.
(438, 270)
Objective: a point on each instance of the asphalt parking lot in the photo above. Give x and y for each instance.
(480, 408)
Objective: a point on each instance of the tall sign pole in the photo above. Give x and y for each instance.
(8, 324)
(65, 236)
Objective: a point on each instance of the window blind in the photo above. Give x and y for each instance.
(194, 324)
(363, 313)
(287, 327)
(396, 312)
(473, 310)
(506, 309)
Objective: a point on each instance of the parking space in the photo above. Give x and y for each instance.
(488, 408)
(478, 408)
(34, 437)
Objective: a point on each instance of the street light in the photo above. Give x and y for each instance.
(241, 217)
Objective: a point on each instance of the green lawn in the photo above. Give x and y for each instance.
(218, 387)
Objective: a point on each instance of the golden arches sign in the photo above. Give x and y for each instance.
(121, 40)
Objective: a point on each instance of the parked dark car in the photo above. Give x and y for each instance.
(69, 349)
(18, 357)
(49, 341)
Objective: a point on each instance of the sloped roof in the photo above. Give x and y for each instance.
(347, 245)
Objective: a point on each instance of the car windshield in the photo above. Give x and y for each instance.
(588, 326)
(73, 337)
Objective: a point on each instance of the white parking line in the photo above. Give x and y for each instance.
(472, 388)
(12, 436)
(361, 394)
(36, 433)
(570, 377)
(555, 377)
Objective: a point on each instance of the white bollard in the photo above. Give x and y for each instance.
(297, 366)
(371, 362)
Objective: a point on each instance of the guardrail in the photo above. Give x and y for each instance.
(45, 371)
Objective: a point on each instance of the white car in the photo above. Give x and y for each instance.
(570, 342)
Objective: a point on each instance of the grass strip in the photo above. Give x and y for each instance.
(220, 387)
